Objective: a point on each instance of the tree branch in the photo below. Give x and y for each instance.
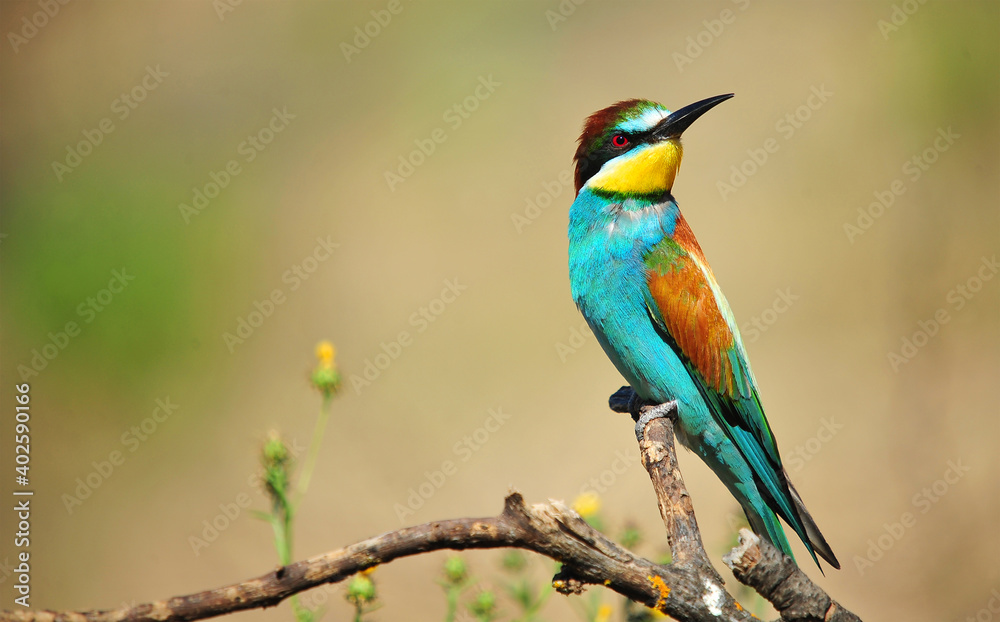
(655, 432)
(755, 563)
(687, 589)
(777, 578)
(551, 529)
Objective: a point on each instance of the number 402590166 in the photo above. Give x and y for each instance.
(22, 436)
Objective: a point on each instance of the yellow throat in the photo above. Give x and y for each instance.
(650, 169)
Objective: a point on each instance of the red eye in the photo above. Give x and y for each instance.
(619, 140)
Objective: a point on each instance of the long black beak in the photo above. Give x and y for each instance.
(675, 124)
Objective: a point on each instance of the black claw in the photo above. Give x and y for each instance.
(635, 405)
(621, 400)
(667, 410)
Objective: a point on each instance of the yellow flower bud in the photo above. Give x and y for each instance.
(325, 377)
(587, 504)
(325, 353)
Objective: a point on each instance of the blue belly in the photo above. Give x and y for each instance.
(607, 245)
(610, 295)
(608, 281)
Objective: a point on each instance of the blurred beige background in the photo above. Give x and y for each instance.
(825, 309)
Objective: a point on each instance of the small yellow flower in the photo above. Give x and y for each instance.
(588, 504)
(603, 613)
(325, 377)
(325, 352)
(368, 571)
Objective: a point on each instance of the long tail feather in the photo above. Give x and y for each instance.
(816, 538)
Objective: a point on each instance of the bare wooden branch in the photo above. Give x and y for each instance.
(755, 563)
(687, 589)
(655, 432)
(778, 579)
(551, 529)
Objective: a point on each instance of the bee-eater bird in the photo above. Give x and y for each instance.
(642, 283)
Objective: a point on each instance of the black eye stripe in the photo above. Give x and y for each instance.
(588, 165)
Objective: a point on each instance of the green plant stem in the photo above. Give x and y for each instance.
(301, 613)
(281, 521)
(280, 540)
(284, 509)
(317, 437)
(452, 593)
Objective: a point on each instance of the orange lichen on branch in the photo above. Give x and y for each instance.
(662, 588)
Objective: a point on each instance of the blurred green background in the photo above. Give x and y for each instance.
(203, 77)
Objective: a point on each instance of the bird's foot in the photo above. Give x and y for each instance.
(621, 399)
(666, 410)
(626, 400)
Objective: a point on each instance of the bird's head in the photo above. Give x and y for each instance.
(633, 148)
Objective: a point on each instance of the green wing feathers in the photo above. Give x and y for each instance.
(689, 308)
